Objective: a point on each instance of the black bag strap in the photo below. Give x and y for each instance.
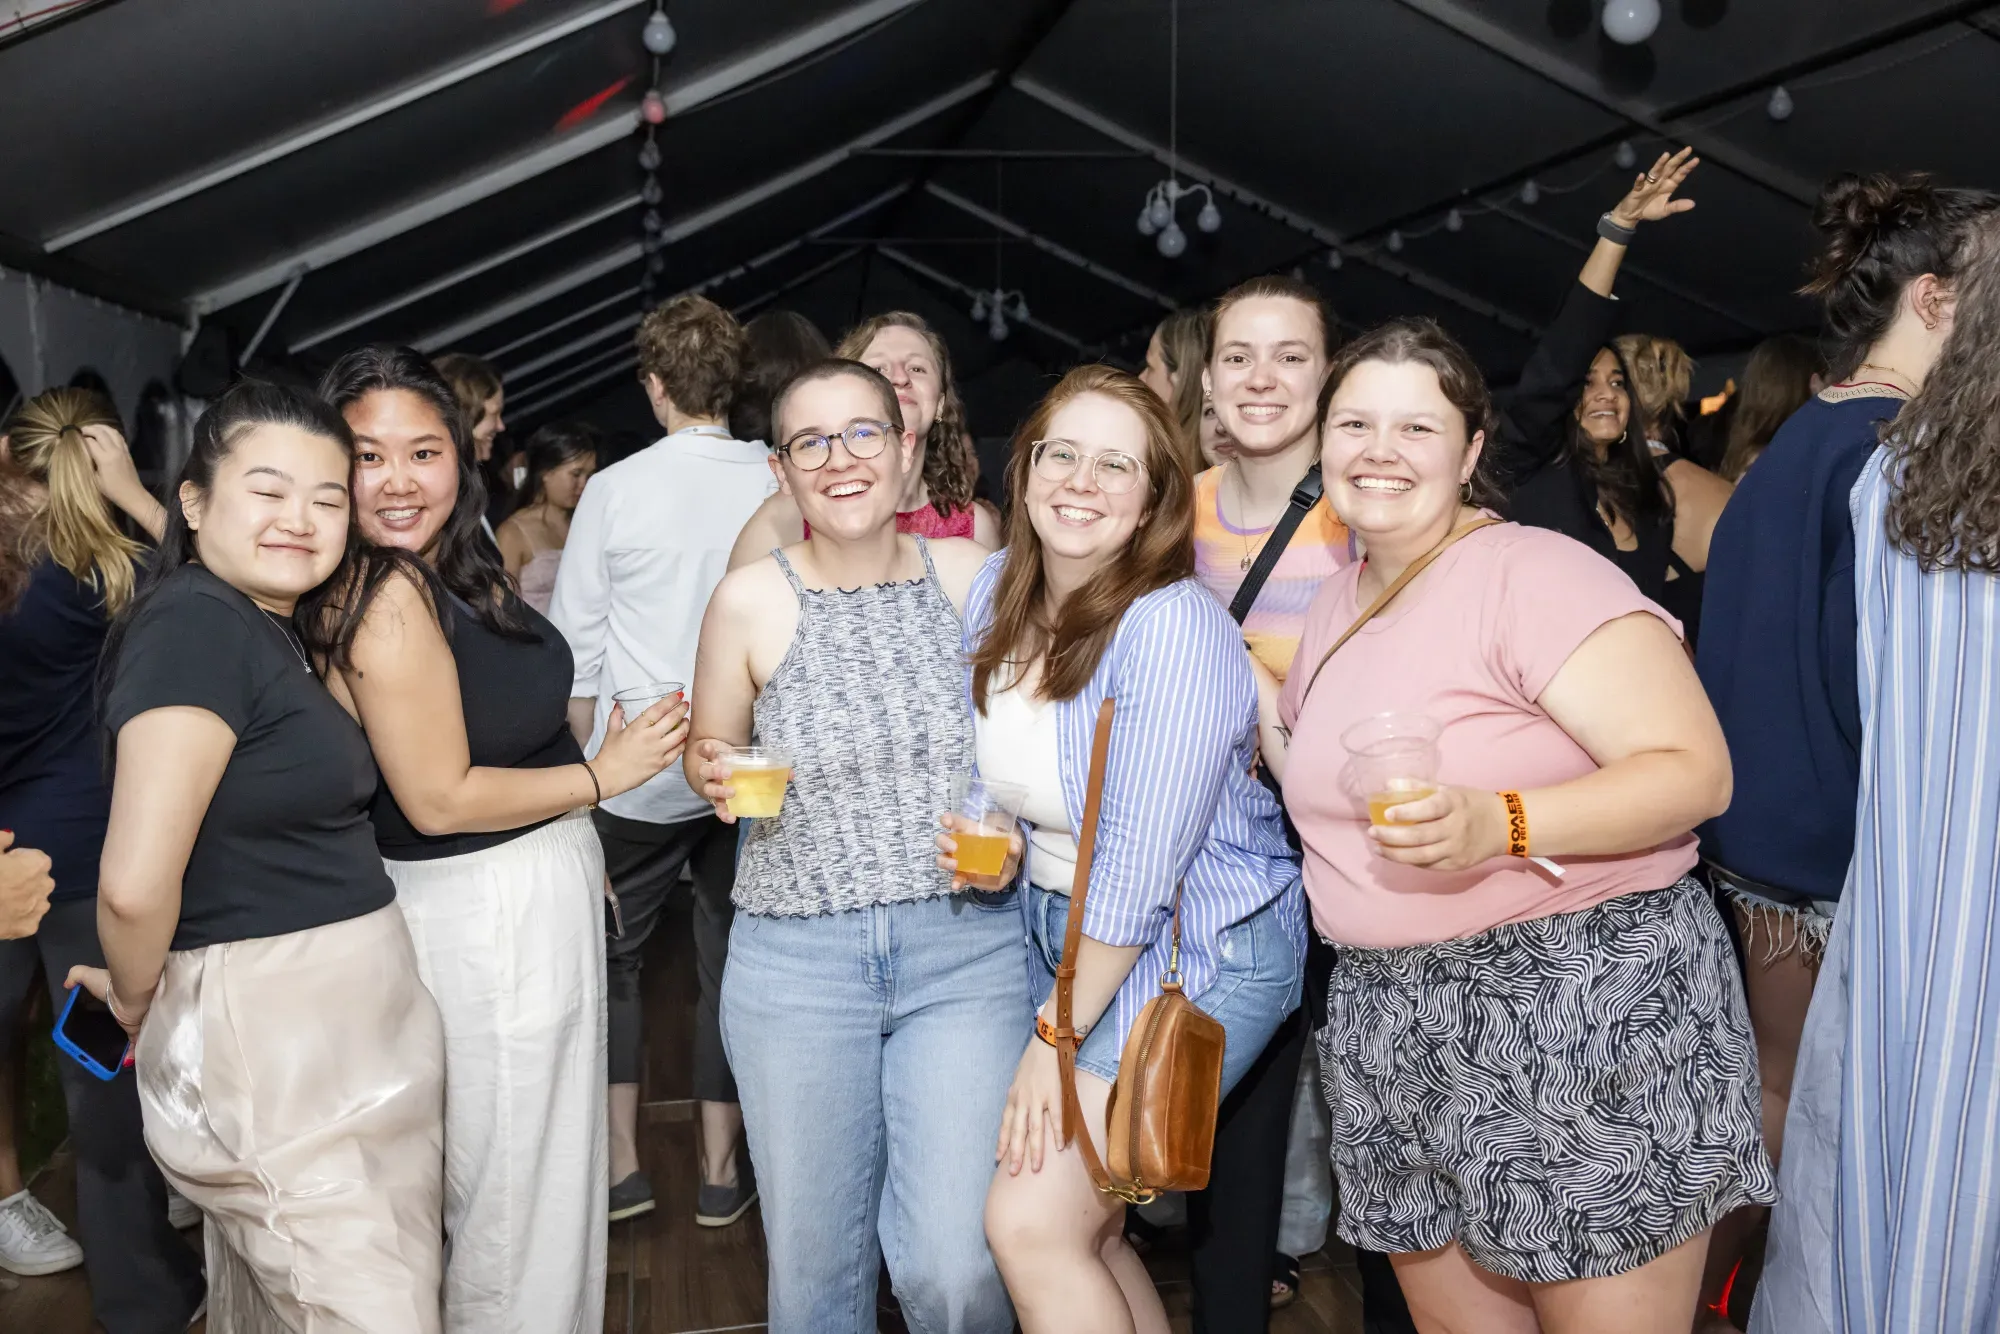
(1304, 496)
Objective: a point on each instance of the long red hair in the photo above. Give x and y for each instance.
(1070, 640)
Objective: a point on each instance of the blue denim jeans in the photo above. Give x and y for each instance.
(1258, 982)
(873, 1051)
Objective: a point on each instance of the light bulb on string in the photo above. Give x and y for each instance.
(978, 308)
(651, 221)
(1020, 311)
(1626, 157)
(649, 156)
(1530, 192)
(1173, 241)
(1454, 221)
(1630, 22)
(1210, 217)
(653, 107)
(1780, 105)
(656, 265)
(659, 35)
(1395, 242)
(650, 191)
(1334, 259)
(1158, 211)
(996, 328)
(1146, 227)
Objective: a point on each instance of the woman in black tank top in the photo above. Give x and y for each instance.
(463, 690)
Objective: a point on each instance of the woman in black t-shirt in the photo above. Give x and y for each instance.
(290, 1063)
(464, 691)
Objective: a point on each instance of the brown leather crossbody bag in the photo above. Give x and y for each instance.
(1160, 1125)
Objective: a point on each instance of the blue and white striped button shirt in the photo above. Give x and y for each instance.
(1179, 803)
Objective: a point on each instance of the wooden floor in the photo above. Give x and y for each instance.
(668, 1276)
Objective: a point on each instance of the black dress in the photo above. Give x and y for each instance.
(1547, 486)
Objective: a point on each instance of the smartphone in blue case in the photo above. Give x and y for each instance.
(90, 1035)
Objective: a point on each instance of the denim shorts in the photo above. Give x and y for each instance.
(1258, 982)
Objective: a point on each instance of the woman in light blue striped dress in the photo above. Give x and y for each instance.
(1890, 1218)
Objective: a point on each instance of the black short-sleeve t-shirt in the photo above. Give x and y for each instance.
(285, 844)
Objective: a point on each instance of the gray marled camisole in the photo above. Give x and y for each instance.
(871, 701)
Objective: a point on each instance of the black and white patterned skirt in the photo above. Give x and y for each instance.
(1569, 1097)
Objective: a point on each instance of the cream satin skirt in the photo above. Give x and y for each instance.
(293, 1088)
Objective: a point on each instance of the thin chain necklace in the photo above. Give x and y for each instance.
(291, 640)
(1891, 370)
(1241, 530)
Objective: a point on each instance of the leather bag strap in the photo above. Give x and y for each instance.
(1402, 581)
(1066, 1037)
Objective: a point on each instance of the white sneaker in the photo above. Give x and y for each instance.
(182, 1213)
(32, 1240)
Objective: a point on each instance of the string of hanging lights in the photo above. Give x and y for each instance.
(659, 39)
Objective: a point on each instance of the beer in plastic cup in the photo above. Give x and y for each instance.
(992, 810)
(759, 775)
(1392, 760)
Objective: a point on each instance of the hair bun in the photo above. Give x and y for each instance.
(1853, 212)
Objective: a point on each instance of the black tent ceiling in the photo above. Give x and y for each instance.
(462, 173)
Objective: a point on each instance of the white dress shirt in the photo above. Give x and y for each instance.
(648, 544)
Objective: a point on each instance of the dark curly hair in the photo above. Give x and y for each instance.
(1882, 233)
(1945, 445)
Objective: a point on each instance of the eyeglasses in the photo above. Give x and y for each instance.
(1114, 471)
(864, 440)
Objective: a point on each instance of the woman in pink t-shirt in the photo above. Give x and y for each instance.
(1543, 1086)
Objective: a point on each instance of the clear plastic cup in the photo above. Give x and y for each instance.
(640, 698)
(760, 775)
(992, 809)
(1392, 759)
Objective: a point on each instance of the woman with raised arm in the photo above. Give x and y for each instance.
(1890, 1162)
(1096, 601)
(65, 570)
(1570, 451)
(464, 692)
(290, 1063)
(872, 1015)
(937, 495)
(1542, 1081)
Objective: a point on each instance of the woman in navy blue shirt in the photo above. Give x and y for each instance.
(65, 568)
(1778, 630)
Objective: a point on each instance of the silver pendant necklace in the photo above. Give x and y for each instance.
(291, 640)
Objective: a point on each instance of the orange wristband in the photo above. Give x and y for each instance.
(1046, 1031)
(1517, 824)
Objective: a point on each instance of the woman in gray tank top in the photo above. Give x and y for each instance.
(873, 1017)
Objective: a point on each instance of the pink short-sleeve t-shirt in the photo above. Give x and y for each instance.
(1491, 623)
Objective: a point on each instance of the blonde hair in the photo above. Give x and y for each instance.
(76, 527)
(1662, 376)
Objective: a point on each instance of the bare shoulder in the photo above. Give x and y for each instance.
(957, 560)
(749, 592)
(1695, 485)
(774, 523)
(398, 603)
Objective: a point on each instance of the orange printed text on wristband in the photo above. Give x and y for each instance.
(1517, 824)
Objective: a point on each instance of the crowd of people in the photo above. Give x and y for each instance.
(354, 779)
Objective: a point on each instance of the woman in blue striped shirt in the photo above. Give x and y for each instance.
(1095, 600)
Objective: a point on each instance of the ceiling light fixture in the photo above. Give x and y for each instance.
(659, 35)
(1630, 22)
(1157, 215)
(994, 308)
(1780, 105)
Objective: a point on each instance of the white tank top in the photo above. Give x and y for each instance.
(1018, 742)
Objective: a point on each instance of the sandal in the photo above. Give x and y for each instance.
(1285, 1283)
